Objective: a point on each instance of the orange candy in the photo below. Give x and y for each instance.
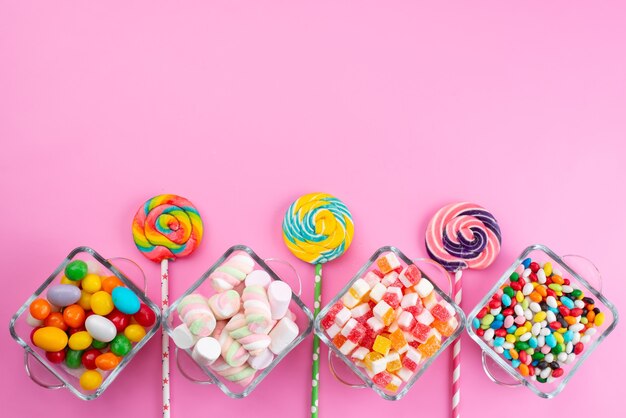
(397, 340)
(430, 347)
(444, 328)
(110, 283)
(107, 361)
(74, 316)
(55, 319)
(40, 309)
(535, 297)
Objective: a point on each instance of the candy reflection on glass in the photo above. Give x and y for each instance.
(86, 321)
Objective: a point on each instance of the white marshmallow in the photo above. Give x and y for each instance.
(206, 351)
(183, 338)
(410, 299)
(262, 360)
(360, 310)
(258, 278)
(279, 296)
(283, 334)
(425, 317)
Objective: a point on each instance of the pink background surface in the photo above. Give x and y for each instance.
(243, 106)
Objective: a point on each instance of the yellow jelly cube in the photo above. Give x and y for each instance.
(382, 345)
(393, 362)
(398, 342)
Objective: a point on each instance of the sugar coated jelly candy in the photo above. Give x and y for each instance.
(375, 362)
(382, 379)
(382, 345)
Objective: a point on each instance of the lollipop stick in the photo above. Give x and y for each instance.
(316, 343)
(456, 353)
(165, 341)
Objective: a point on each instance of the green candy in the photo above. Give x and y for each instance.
(514, 276)
(559, 348)
(76, 270)
(577, 293)
(538, 355)
(98, 344)
(487, 319)
(73, 358)
(509, 291)
(120, 346)
(541, 379)
(521, 345)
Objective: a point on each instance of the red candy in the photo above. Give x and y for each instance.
(557, 372)
(382, 379)
(482, 313)
(578, 348)
(495, 304)
(145, 316)
(409, 364)
(119, 319)
(328, 321)
(440, 312)
(421, 332)
(89, 358)
(357, 333)
(392, 299)
(55, 357)
(534, 267)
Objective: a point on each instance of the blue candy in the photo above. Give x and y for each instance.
(496, 324)
(125, 300)
(515, 363)
(507, 355)
(550, 341)
(476, 323)
(526, 263)
(568, 336)
(532, 342)
(506, 300)
(499, 317)
(511, 330)
(498, 341)
(567, 302)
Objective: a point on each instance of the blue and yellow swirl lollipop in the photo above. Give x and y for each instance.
(317, 228)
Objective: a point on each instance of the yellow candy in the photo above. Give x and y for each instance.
(134, 332)
(382, 345)
(539, 316)
(547, 268)
(371, 357)
(90, 380)
(50, 339)
(65, 280)
(80, 341)
(510, 338)
(599, 319)
(92, 283)
(559, 337)
(519, 297)
(101, 303)
(85, 300)
(520, 331)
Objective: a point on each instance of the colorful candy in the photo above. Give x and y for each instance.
(538, 321)
(391, 328)
(78, 319)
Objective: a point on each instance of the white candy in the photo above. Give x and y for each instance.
(536, 329)
(30, 320)
(183, 338)
(541, 340)
(567, 289)
(585, 339)
(360, 288)
(541, 276)
(527, 289)
(551, 301)
(424, 287)
(535, 307)
(406, 320)
(576, 337)
(360, 353)
(526, 273)
(377, 292)
(347, 329)
(488, 336)
(519, 311)
(375, 324)
(283, 334)
(371, 279)
(557, 272)
(525, 337)
(392, 356)
(379, 365)
(347, 347)
(404, 374)
(390, 278)
(333, 330)
(206, 351)
(591, 331)
(262, 360)
(360, 310)
(507, 345)
(258, 278)
(279, 296)
(425, 317)
(499, 350)
(550, 316)
(545, 373)
(349, 300)
(381, 309)
(577, 328)
(392, 260)
(579, 303)
(549, 357)
(495, 312)
(342, 316)
(570, 358)
(395, 291)
(562, 357)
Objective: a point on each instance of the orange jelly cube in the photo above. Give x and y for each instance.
(338, 340)
(397, 340)
(446, 328)
(430, 347)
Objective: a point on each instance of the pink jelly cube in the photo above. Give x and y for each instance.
(409, 364)
(415, 310)
(357, 333)
(421, 332)
(335, 309)
(328, 321)
(382, 379)
(392, 299)
(440, 312)
(368, 339)
(410, 275)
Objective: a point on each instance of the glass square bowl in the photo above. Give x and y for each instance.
(590, 339)
(440, 297)
(205, 374)
(65, 377)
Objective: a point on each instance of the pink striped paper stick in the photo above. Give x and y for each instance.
(456, 353)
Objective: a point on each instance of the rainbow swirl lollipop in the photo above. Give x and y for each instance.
(317, 229)
(461, 236)
(165, 228)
